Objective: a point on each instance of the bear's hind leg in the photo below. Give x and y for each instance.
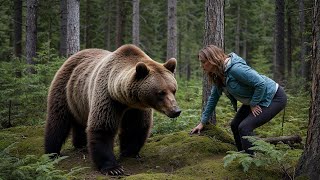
(79, 137)
(135, 128)
(57, 128)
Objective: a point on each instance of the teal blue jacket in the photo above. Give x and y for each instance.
(243, 84)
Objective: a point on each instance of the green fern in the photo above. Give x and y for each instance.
(32, 167)
(266, 155)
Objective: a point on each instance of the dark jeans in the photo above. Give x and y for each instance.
(244, 122)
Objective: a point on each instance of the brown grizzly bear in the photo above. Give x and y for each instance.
(98, 94)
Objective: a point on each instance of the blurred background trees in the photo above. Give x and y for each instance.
(273, 36)
(250, 30)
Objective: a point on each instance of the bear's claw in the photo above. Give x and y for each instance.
(115, 171)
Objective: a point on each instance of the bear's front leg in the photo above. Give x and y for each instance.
(100, 142)
(134, 130)
(103, 122)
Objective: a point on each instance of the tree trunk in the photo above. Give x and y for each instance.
(107, 33)
(63, 27)
(136, 22)
(309, 162)
(237, 40)
(244, 44)
(179, 60)
(31, 32)
(88, 25)
(289, 43)
(73, 27)
(17, 28)
(119, 24)
(302, 39)
(214, 33)
(279, 66)
(172, 29)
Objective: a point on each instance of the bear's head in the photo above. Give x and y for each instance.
(152, 84)
(158, 86)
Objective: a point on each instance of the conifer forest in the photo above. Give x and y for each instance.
(277, 38)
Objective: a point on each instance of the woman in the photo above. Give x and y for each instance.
(261, 97)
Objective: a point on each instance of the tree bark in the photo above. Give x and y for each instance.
(63, 28)
(73, 27)
(279, 66)
(107, 33)
(88, 25)
(244, 37)
(172, 29)
(17, 28)
(237, 40)
(31, 32)
(119, 24)
(302, 40)
(289, 42)
(136, 22)
(214, 34)
(309, 162)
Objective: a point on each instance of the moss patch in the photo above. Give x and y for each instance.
(180, 149)
(212, 168)
(171, 156)
(28, 139)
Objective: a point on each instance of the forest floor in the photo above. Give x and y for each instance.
(171, 156)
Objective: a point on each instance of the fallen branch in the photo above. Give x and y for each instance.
(290, 140)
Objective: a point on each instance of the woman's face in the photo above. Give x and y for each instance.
(207, 66)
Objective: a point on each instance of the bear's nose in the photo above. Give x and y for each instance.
(176, 113)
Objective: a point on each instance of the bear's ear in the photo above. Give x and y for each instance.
(141, 70)
(171, 65)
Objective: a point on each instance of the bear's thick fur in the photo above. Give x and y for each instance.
(98, 94)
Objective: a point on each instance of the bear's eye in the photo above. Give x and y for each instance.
(161, 93)
(174, 91)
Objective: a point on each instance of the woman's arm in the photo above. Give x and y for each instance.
(211, 104)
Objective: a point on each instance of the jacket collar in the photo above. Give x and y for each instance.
(234, 59)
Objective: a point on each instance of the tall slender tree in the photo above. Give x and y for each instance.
(172, 29)
(63, 28)
(120, 23)
(289, 41)
(244, 41)
(88, 25)
(136, 22)
(17, 41)
(238, 28)
(31, 32)
(302, 55)
(279, 49)
(107, 28)
(309, 162)
(214, 34)
(73, 26)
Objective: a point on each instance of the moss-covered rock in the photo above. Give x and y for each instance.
(217, 133)
(180, 149)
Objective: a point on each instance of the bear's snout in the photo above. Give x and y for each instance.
(174, 113)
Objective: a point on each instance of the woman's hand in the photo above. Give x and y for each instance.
(197, 129)
(256, 110)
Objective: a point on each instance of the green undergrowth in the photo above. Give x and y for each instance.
(29, 140)
(176, 155)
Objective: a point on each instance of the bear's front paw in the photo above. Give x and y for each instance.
(114, 171)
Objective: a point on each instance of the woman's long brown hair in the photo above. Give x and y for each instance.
(216, 57)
